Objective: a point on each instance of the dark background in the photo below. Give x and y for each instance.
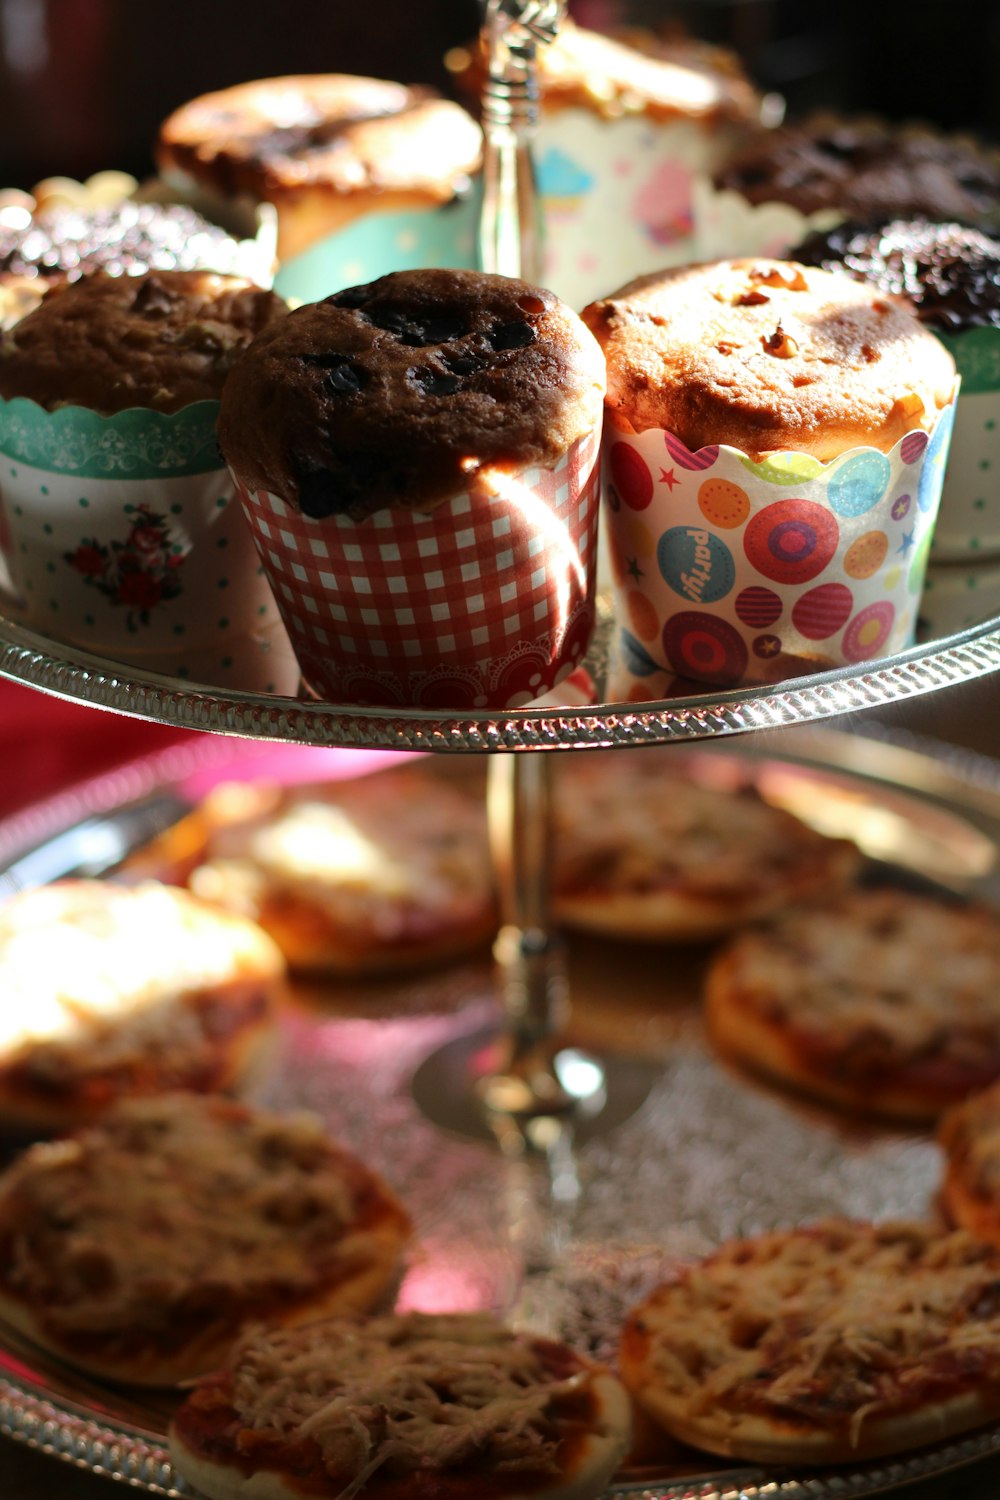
(84, 84)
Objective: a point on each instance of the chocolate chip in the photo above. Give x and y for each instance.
(342, 378)
(418, 331)
(352, 296)
(319, 494)
(153, 300)
(434, 382)
(511, 336)
(466, 363)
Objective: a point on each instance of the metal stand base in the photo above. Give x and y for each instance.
(461, 1087)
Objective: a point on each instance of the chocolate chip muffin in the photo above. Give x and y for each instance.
(769, 355)
(398, 393)
(162, 340)
(866, 169)
(322, 148)
(417, 460)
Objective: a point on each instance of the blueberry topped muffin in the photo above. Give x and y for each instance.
(162, 340)
(397, 393)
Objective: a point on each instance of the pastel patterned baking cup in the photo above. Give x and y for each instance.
(487, 601)
(957, 596)
(121, 535)
(616, 196)
(730, 572)
(968, 524)
(725, 225)
(377, 243)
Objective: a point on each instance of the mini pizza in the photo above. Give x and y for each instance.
(645, 851)
(108, 992)
(969, 1135)
(822, 1345)
(882, 1001)
(380, 873)
(138, 1248)
(414, 1407)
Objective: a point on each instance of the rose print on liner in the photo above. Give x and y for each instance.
(137, 573)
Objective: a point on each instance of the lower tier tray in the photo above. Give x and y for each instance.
(709, 1155)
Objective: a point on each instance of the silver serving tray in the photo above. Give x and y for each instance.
(695, 1165)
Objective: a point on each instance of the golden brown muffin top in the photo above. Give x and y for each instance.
(638, 74)
(769, 355)
(398, 393)
(867, 169)
(162, 340)
(333, 130)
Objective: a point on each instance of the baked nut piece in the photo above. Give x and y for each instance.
(323, 148)
(138, 1248)
(969, 1135)
(825, 1344)
(381, 873)
(766, 356)
(162, 340)
(949, 273)
(867, 169)
(110, 992)
(646, 851)
(452, 1405)
(880, 1000)
(398, 393)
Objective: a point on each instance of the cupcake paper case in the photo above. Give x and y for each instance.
(417, 459)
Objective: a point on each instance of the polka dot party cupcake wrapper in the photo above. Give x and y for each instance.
(968, 525)
(958, 596)
(633, 174)
(487, 601)
(731, 572)
(121, 535)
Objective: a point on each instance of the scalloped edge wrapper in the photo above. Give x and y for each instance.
(732, 572)
(485, 601)
(727, 226)
(120, 535)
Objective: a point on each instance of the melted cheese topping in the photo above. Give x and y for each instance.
(883, 973)
(630, 823)
(175, 1210)
(402, 1392)
(831, 1324)
(391, 854)
(79, 958)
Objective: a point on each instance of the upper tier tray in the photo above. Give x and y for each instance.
(70, 673)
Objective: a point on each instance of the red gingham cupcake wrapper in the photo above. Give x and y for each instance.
(486, 601)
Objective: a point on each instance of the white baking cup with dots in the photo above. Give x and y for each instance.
(729, 571)
(968, 525)
(121, 535)
(486, 601)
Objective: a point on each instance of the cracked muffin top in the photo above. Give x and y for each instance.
(162, 340)
(768, 356)
(400, 392)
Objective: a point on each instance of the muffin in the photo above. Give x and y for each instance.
(325, 150)
(826, 168)
(417, 461)
(625, 125)
(776, 437)
(950, 273)
(120, 536)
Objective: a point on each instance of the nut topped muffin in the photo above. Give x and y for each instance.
(162, 340)
(769, 355)
(397, 394)
(322, 148)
